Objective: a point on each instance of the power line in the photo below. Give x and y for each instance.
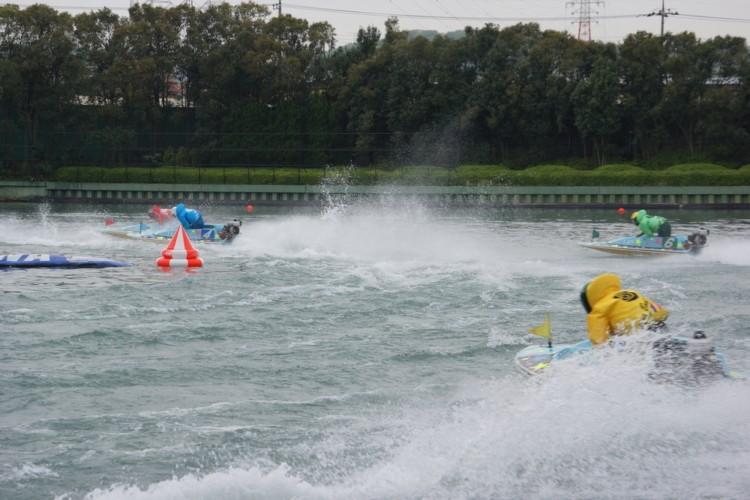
(449, 18)
(403, 11)
(698, 17)
(445, 9)
(663, 13)
(73, 7)
(423, 9)
(693, 17)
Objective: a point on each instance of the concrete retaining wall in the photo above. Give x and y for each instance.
(523, 196)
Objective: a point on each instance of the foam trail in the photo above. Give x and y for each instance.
(727, 251)
(234, 483)
(578, 433)
(407, 235)
(53, 231)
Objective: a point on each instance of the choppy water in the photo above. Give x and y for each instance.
(358, 352)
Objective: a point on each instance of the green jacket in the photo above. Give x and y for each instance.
(648, 224)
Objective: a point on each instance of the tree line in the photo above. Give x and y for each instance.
(232, 85)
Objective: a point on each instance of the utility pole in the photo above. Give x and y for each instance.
(582, 9)
(663, 13)
(277, 6)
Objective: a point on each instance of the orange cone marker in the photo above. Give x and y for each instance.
(180, 252)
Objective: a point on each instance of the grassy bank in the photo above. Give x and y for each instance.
(693, 174)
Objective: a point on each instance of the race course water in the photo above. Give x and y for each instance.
(360, 352)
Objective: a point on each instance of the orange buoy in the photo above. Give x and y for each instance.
(180, 252)
(109, 221)
(620, 210)
(249, 208)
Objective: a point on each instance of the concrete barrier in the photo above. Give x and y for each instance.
(22, 190)
(521, 196)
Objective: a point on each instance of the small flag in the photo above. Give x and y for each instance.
(543, 330)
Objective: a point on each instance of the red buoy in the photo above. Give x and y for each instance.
(620, 210)
(249, 208)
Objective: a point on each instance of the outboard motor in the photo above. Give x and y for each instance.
(686, 361)
(230, 230)
(699, 238)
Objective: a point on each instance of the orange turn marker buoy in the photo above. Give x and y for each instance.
(180, 252)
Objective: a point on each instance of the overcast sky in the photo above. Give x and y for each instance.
(611, 20)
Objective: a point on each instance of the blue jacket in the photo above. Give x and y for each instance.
(189, 218)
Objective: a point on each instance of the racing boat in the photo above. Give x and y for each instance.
(209, 233)
(60, 261)
(684, 360)
(534, 359)
(651, 245)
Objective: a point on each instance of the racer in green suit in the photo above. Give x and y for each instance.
(651, 225)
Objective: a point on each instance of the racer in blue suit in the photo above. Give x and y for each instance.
(188, 217)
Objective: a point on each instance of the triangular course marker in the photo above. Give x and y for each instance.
(180, 252)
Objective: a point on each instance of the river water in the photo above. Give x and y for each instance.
(359, 352)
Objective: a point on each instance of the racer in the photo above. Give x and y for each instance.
(651, 225)
(160, 215)
(614, 311)
(188, 217)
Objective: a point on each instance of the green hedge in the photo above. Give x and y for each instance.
(694, 174)
(697, 167)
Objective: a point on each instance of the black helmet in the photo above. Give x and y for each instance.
(584, 299)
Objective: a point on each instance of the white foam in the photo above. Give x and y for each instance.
(579, 431)
(29, 471)
(727, 251)
(499, 336)
(233, 483)
(413, 244)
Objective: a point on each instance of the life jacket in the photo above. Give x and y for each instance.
(614, 311)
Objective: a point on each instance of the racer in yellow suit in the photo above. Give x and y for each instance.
(614, 311)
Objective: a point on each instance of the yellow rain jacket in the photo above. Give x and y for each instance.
(614, 311)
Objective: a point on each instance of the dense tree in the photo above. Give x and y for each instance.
(598, 110)
(642, 71)
(231, 84)
(97, 47)
(367, 40)
(40, 74)
(687, 68)
(723, 131)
